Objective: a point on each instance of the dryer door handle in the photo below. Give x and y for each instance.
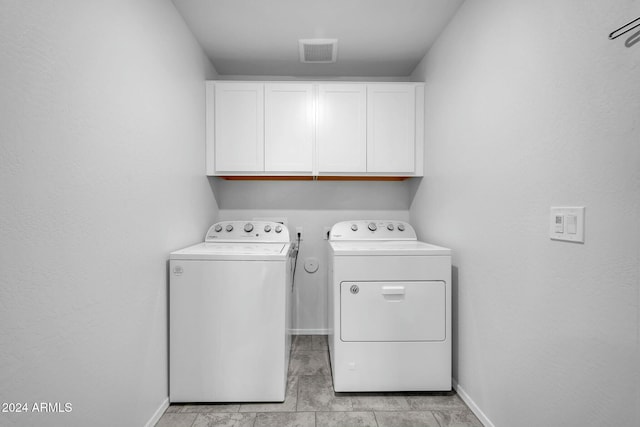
(393, 290)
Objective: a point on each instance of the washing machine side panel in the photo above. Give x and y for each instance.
(288, 326)
(227, 331)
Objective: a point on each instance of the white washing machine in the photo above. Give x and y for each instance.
(230, 312)
(389, 309)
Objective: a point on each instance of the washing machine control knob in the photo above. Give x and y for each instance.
(373, 226)
(218, 228)
(248, 227)
(390, 227)
(229, 227)
(278, 228)
(400, 227)
(354, 227)
(267, 228)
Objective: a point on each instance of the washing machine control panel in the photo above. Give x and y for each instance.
(372, 230)
(247, 231)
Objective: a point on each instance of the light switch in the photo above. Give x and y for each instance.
(567, 224)
(559, 223)
(572, 224)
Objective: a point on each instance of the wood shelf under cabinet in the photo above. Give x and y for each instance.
(312, 178)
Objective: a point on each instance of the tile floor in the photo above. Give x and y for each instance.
(311, 401)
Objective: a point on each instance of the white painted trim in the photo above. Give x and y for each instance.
(419, 132)
(486, 422)
(210, 163)
(309, 331)
(156, 415)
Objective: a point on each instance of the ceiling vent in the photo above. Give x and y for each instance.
(318, 51)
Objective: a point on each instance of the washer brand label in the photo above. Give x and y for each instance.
(177, 270)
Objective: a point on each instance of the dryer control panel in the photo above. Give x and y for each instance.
(248, 231)
(372, 230)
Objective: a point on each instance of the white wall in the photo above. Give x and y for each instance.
(101, 176)
(529, 105)
(312, 205)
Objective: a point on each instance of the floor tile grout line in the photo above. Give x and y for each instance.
(437, 420)
(297, 392)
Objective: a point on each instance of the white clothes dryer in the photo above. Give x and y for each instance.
(230, 313)
(389, 309)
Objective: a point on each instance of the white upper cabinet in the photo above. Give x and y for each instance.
(342, 128)
(289, 127)
(315, 128)
(391, 118)
(239, 127)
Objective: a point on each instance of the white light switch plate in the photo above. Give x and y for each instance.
(567, 224)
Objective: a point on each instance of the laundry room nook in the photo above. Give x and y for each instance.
(320, 213)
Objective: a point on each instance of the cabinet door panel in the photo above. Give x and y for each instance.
(391, 128)
(342, 124)
(239, 127)
(289, 127)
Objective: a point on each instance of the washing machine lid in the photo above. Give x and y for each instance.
(234, 251)
(386, 248)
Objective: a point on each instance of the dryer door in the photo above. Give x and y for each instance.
(393, 311)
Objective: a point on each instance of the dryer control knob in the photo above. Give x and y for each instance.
(390, 227)
(218, 228)
(373, 226)
(400, 227)
(229, 227)
(278, 228)
(354, 227)
(267, 228)
(248, 227)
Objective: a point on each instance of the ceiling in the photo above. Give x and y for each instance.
(260, 37)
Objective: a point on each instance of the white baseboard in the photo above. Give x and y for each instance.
(309, 331)
(156, 416)
(486, 422)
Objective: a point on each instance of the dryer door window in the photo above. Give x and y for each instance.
(393, 311)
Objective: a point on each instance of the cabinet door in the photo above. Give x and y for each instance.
(391, 111)
(289, 127)
(342, 127)
(239, 127)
